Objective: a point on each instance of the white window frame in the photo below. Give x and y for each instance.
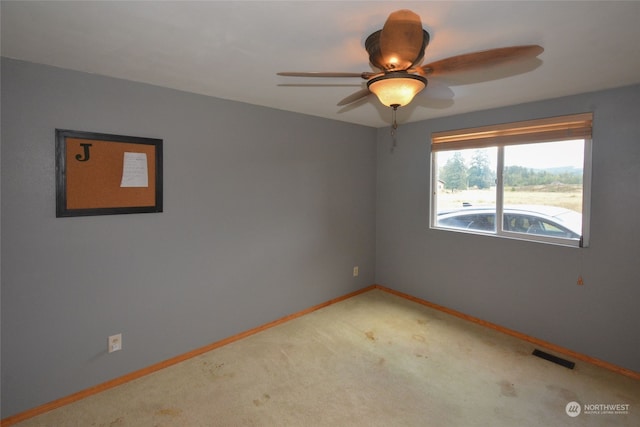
(553, 129)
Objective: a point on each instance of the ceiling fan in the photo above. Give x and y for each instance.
(397, 50)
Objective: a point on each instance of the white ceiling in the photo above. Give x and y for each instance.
(233, 49)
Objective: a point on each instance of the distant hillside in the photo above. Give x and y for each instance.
(570, 170)
(517, 176)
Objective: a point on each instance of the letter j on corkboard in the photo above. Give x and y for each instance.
(102, 174)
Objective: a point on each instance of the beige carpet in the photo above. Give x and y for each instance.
(372, 360)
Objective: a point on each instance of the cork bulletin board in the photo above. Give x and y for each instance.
(102, 174)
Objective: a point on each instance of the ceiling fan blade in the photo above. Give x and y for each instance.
(364, 75)
(355, 96)
(477, 60)
(402, 41)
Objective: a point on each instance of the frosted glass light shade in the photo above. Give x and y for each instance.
(397, 89)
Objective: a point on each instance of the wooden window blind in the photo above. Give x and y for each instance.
(562, 128)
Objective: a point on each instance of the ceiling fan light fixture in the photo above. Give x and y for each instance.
(397, 89)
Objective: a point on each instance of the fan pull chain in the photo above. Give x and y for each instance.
(394, 126)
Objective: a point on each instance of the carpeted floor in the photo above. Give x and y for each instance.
(375, 359)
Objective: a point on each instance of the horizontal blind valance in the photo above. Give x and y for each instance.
(577, 126)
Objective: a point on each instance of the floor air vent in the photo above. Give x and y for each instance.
(554, 359)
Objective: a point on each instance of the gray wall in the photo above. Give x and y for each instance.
(528, 287)
(265, 214)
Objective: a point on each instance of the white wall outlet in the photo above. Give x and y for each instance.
(356, 271)
(115, 343)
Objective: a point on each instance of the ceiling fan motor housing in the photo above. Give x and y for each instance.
(372, 45)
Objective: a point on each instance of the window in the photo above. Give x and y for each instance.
(534, 176)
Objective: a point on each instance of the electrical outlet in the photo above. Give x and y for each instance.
(115, 343)
(356, 271)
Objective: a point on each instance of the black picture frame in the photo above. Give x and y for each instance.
(91, 169)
